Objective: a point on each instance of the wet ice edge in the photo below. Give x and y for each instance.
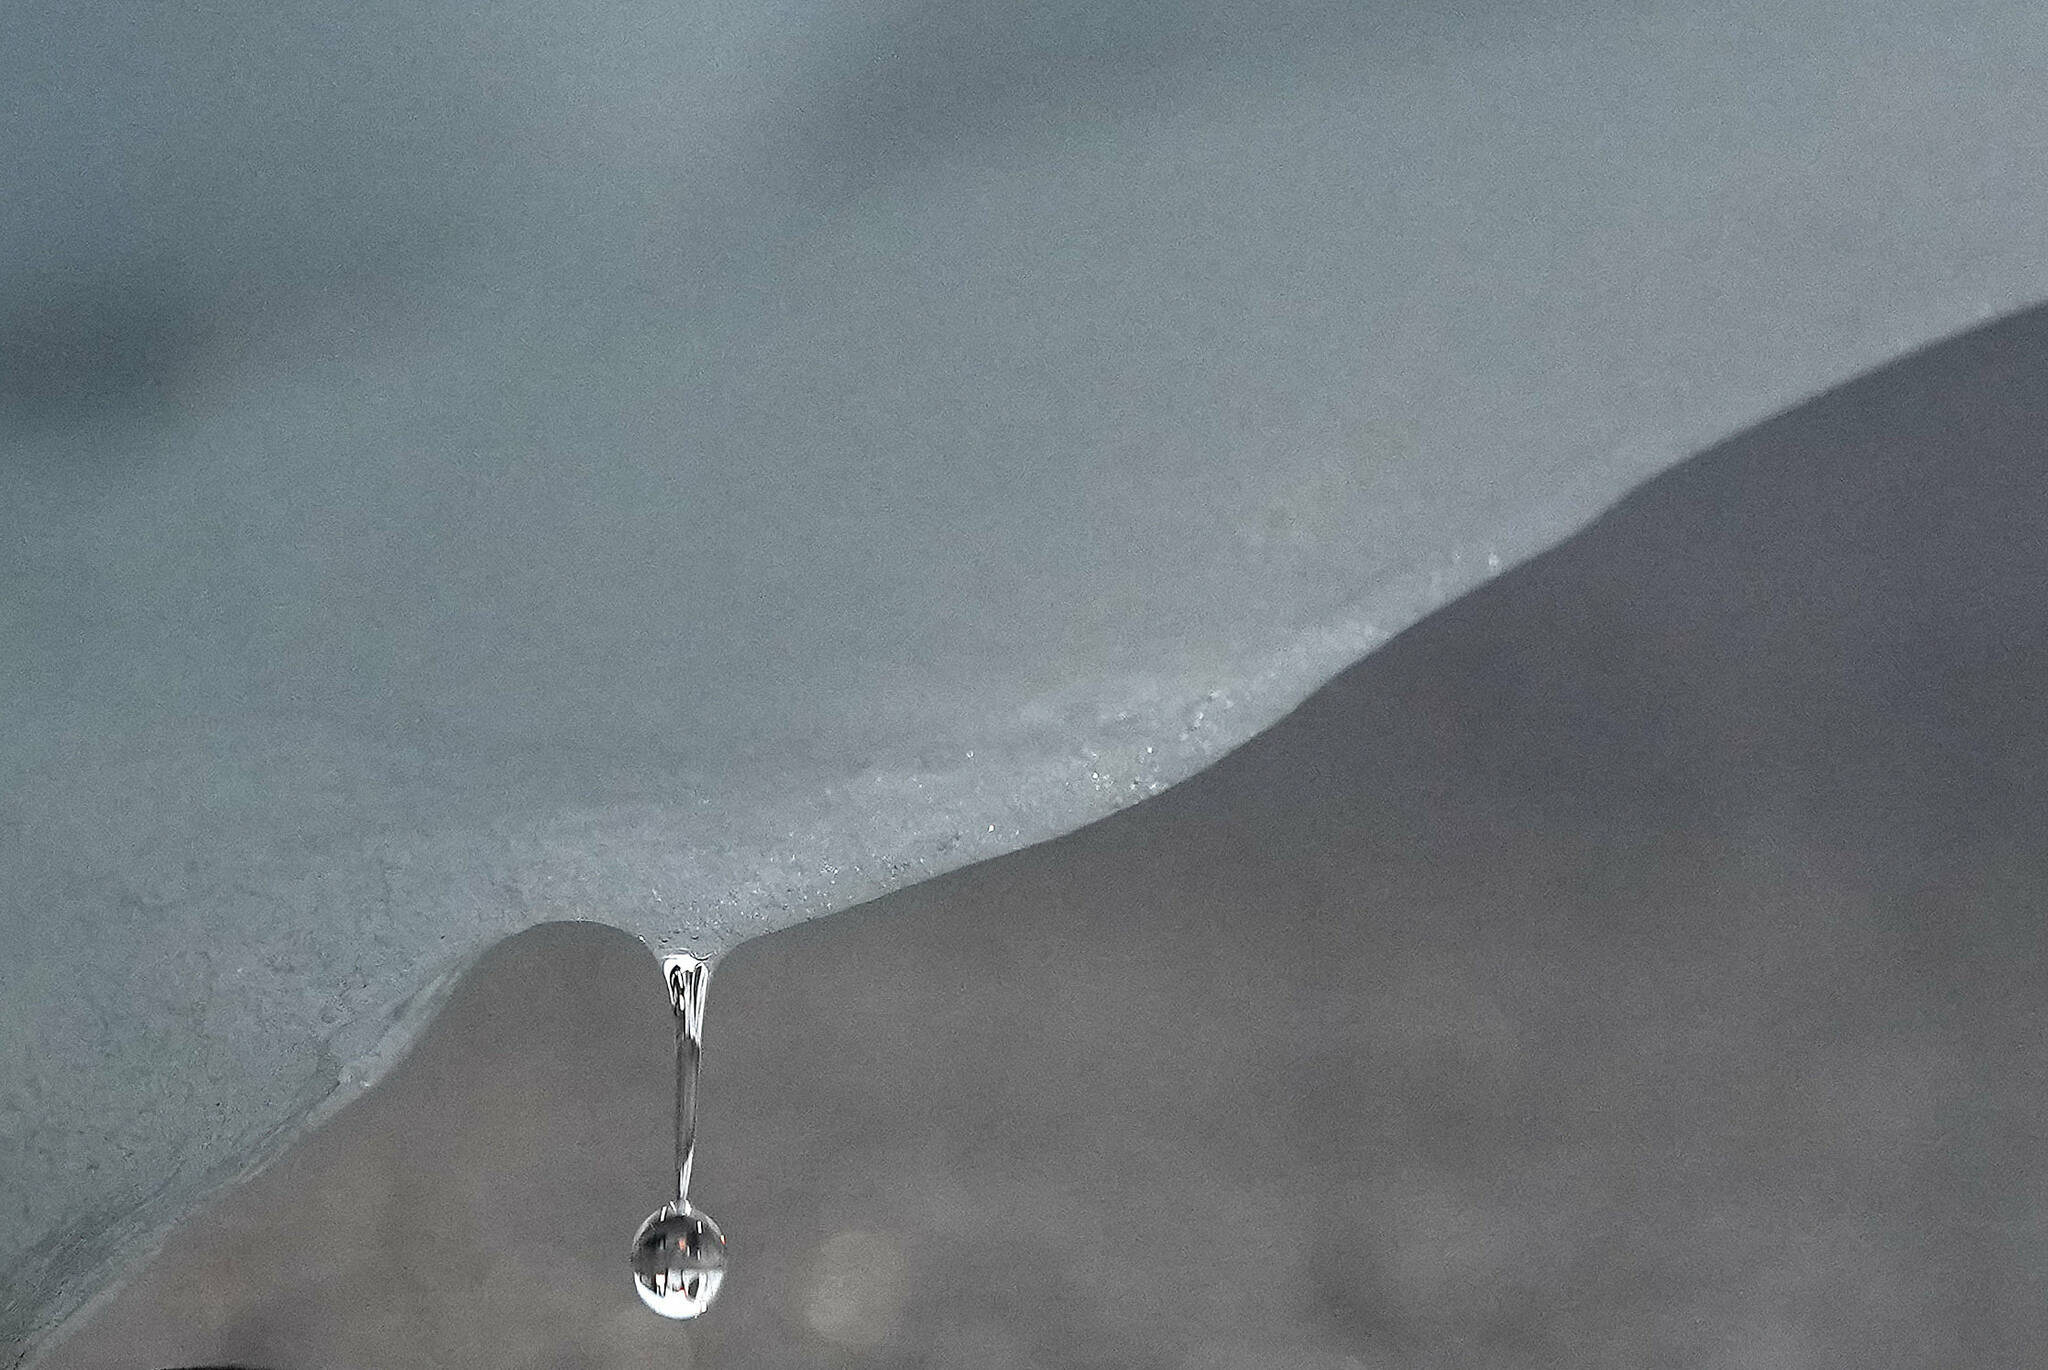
(1526, 268)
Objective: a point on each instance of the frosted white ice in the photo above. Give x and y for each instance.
(700, 466)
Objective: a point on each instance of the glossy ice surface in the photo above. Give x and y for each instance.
(700, 467)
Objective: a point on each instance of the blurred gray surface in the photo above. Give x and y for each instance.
(699, 467)
(1637, 963)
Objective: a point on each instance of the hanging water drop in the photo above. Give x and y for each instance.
(679, 1254)
(678, 1261)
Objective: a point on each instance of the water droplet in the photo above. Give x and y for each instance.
(678, 1261)
(679, 1254)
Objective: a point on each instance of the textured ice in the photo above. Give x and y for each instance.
(701, 466)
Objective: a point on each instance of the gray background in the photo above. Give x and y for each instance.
(700, 466)
(1638, 963)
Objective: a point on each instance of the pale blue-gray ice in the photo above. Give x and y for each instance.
(701, 466)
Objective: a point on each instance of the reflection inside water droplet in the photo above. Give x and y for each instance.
(678, 1261)
(679, 1254)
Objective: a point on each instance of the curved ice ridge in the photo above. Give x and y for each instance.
(703, 469)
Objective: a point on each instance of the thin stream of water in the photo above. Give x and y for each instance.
(687, 979)
(679, 1254)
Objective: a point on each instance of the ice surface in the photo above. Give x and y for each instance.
(698, 467)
